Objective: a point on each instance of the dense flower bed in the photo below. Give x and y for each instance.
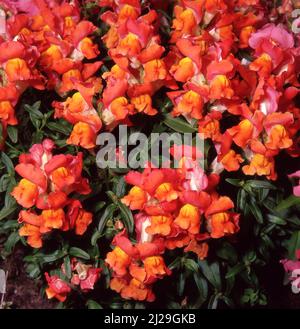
(111, 237)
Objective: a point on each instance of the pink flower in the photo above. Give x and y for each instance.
(296, 188)
(142, 221)
(22, 6)
(93, 276)
(272, 34)
(274, 41)
(290, 265)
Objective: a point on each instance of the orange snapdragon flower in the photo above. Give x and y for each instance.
(200, 249)
(17, 70)
(83, 135)
(88, 48)
(263, 65)
(220, 221)
(262, 166)
(130, 45)
(155, 266)
(82, 221)
(189, 219)
(184, 70)
(7, 113)
(222, 224)
(155, 70)
(231, 161)
(220, 88)
(160, 225)
(25, 193)
(210, 126)
(143, 103)
(242, 133)
(184, 23)
(244, 36)
(278, 138)
(136, 290)
(165, 192)
(120, 108)
(135, 199)
(33, 234)
(118, 260)
(53, 219)
(191, 103)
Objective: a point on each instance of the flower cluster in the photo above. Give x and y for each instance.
(206, 44)
(44, 48)
(140, 69)
(177, 208)
(82, 275)
(47, 181)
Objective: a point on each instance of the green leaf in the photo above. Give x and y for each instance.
(276, 220)
(256, 212)
(8, 163)
(12, 132)
(258, 184)
(175, 264)
(191, 265)
(202, 286)
(235, 182)
(212, 273)
(67, 266)
(59, 127)
(50, 258)
(33, 110)
(108, 213)
(227, 252)
(4, 182)
(178, 124)
(10, 224)
(95, 237)
(77, 252)
(11, 241)
(291, 201)
(5, 212)
(92, 305)
(126, 214)
(181, 283)
(235, 270)
(241, 199)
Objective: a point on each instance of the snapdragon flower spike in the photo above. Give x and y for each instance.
(134, 45)
(45, 48)
(176, 208)
(47, 182)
